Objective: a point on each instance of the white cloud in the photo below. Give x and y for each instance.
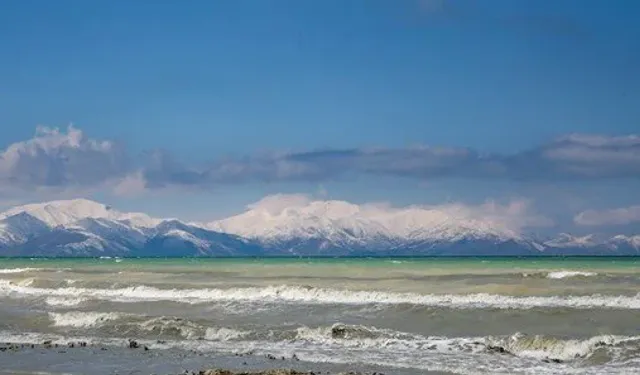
(59, 159)
(133, 184)
(62, 159)
(275, 204)
(616, 216)
(592, 148)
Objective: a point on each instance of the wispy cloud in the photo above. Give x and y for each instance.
(570, 157)
(64, 159)
(616, 216)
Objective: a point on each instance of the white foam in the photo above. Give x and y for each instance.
(63, 301)
(26, 282)
(524, 346)
(18, 270)
(363, 337)
(166, 325)
(450, 357)
(78, 319)
(544, 347)
(223, 334)
(567, 274)
(309, 295)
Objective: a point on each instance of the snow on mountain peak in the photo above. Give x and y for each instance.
(67, 212)
(281, 217)
(633, 241)
(292, 224)
(568, 240)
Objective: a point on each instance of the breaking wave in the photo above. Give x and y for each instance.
(78, 319)
(64, 301)
(567, 274)
(141, 325)
(343, 339)
(18, 270)
(312, 295)
(546, 347)
(357, 337)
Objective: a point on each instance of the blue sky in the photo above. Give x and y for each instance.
(464, 98)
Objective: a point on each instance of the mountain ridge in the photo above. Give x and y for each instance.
(82, 227)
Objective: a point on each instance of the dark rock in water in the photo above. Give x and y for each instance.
(497, 349)
(338, 332)
(48, 342)
(267, 372)
(146, 348)
(552, 360)
(133, 344)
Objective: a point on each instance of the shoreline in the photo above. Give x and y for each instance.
(48, 358)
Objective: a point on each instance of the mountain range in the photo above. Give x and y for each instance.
(83, 227)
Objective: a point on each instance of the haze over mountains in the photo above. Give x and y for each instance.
(289, 225)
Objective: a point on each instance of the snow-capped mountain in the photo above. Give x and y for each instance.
(82, 227)
(68, 212)
(566, 240)
(287, 226)
(593, 244)
(337, 227)
(622, 242)
(336, 220)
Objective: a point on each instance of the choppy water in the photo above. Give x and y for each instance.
(468, 316)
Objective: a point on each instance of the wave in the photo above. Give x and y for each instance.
(78, 319)
(545, 347)
(166, 326)
(128, 324)
(312, 295)
(64, 301)
(342, 343)
(567, 274)
(19, 270)
(224, 334)
(537, 347)
(345, 336)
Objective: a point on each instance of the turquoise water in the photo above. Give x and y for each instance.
(422, 262)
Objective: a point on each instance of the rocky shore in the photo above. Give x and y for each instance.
(274, 372)
(134, 357)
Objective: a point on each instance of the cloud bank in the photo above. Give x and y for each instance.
(617, 216)
(56, 158)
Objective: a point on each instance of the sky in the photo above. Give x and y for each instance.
(197, 109)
